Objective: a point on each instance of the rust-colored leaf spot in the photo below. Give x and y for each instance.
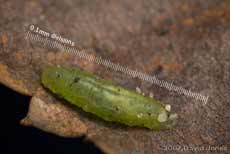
(4, 40)
(19, 55)
(188, 22)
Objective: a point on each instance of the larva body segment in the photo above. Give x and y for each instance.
(106, 100)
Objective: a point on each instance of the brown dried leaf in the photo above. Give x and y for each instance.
(184, 42)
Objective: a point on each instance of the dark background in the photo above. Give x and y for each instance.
(20, 139)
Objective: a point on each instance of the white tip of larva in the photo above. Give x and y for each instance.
(168, 107)
(138, 90)
(173, 116)
(162, 117)
(151, 95)
(140, 115)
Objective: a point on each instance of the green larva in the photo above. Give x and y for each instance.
(106, 100)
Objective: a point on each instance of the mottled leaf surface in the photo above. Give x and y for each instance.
(183, 42)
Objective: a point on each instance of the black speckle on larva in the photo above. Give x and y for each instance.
(116, 108)
(58, 75)
(76, 79)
